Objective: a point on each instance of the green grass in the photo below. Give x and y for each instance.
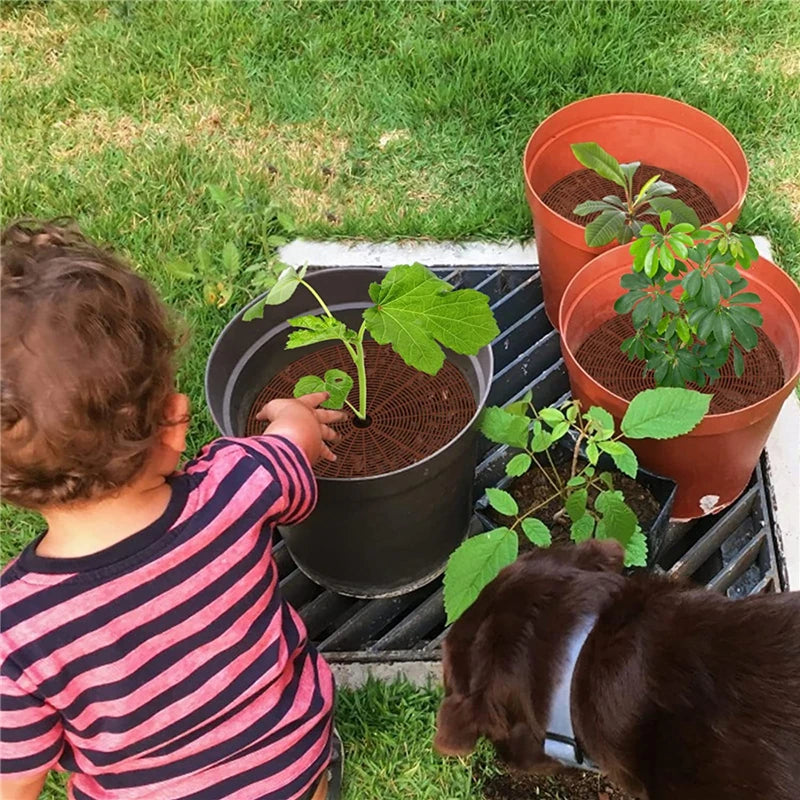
(377, 120)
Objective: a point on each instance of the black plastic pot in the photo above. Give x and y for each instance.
(378, 536)
(662, 489)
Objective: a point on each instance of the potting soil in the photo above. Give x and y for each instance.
(411, 415)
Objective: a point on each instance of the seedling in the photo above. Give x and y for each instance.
(622, 218)
(688, 302)
(590, 503)
(414, 311)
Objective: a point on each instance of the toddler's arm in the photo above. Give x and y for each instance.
(28, 788)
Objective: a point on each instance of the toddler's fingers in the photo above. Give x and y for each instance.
(327, 453)
(329, 434)
(325, 415)
(313, 400)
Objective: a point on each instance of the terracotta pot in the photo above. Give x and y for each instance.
(713, 464)
(632, 127)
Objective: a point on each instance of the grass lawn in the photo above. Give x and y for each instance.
(361, 119)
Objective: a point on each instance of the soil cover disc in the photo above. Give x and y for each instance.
(411, 415)
(601, 357)
(583, 184)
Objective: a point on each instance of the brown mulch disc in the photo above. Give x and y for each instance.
(533, 488)
(411, 414)
(601, 357)
(583, 184)
(568, 785)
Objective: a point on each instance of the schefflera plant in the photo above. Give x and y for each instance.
(590, 504)
(622, 219)
(414, 311)
(688, 301)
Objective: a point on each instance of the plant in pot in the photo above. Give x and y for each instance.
(563, 471)
(675, 309)
(687, 148)
(409, 355)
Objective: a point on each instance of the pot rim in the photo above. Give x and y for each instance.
(480, 402)
(723, 420)
(532, 153)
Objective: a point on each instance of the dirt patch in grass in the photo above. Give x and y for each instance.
(791, 190)
(569, 785)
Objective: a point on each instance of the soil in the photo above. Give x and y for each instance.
(572, 784)
(583, 184)
(601, 357)
(534, 488)
(411, 415)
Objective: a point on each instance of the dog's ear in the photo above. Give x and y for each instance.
(600, 555)
(456, 727)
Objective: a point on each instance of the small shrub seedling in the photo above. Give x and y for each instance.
(688, 303)
(414, 311)
(621, 218)
(591, 504)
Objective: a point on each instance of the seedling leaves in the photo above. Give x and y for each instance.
(537, 532)
(336, 382)
(502, 502)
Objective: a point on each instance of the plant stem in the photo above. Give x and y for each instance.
(362, 372)
(543, 470)
(317, 298)
(581, 437)
(530, 511)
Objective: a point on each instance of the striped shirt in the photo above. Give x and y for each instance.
(168, 665)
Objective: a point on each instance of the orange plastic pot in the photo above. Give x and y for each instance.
(713, 464)
(632, 127)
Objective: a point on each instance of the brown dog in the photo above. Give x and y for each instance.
(677, 693)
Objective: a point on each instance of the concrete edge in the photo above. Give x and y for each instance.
(347, 253)
(353, 675)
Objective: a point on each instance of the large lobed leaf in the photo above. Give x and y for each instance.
(416, 312)
(314, 329)
(664, 413)
(502, 427)
(475, 564)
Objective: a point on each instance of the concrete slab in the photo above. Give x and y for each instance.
(420, 673)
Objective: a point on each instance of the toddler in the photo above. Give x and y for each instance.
(145, 645)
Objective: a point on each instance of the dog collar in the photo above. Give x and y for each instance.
(560, 742)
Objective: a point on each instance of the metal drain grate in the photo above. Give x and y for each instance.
(732, 552)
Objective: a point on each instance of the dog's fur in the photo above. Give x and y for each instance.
(678, 694)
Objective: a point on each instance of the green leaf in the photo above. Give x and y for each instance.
(624, 458)
(255, 311)
(602, 422)
(336, 382)
(231, 259)
(276, 241)
(592, 453)
(552, 416)
(618, 521)
(590, 206)
(537, 532)
(414, 310)
(664, 413)
(180, 269)
(605, 228)
(541, 441)
(636, 550)
(710, 293)
(582, 529)
(745, 297)
(502, 502)
(316, 329)
(576, 504)
(559, 431)
(738, 362)
(607, 478)
(473, 565)
(501, 427)
(518, 465)
(593, 157)
(578, 480)
(286, 221)
(285, 286)
(220, 197)
(680, 211)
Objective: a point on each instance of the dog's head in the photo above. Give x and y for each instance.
(510, 635)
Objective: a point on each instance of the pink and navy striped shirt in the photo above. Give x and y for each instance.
(168, 666)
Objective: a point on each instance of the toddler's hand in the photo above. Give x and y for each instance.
(301, 421)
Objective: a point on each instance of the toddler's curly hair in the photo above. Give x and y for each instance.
(88, 353)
